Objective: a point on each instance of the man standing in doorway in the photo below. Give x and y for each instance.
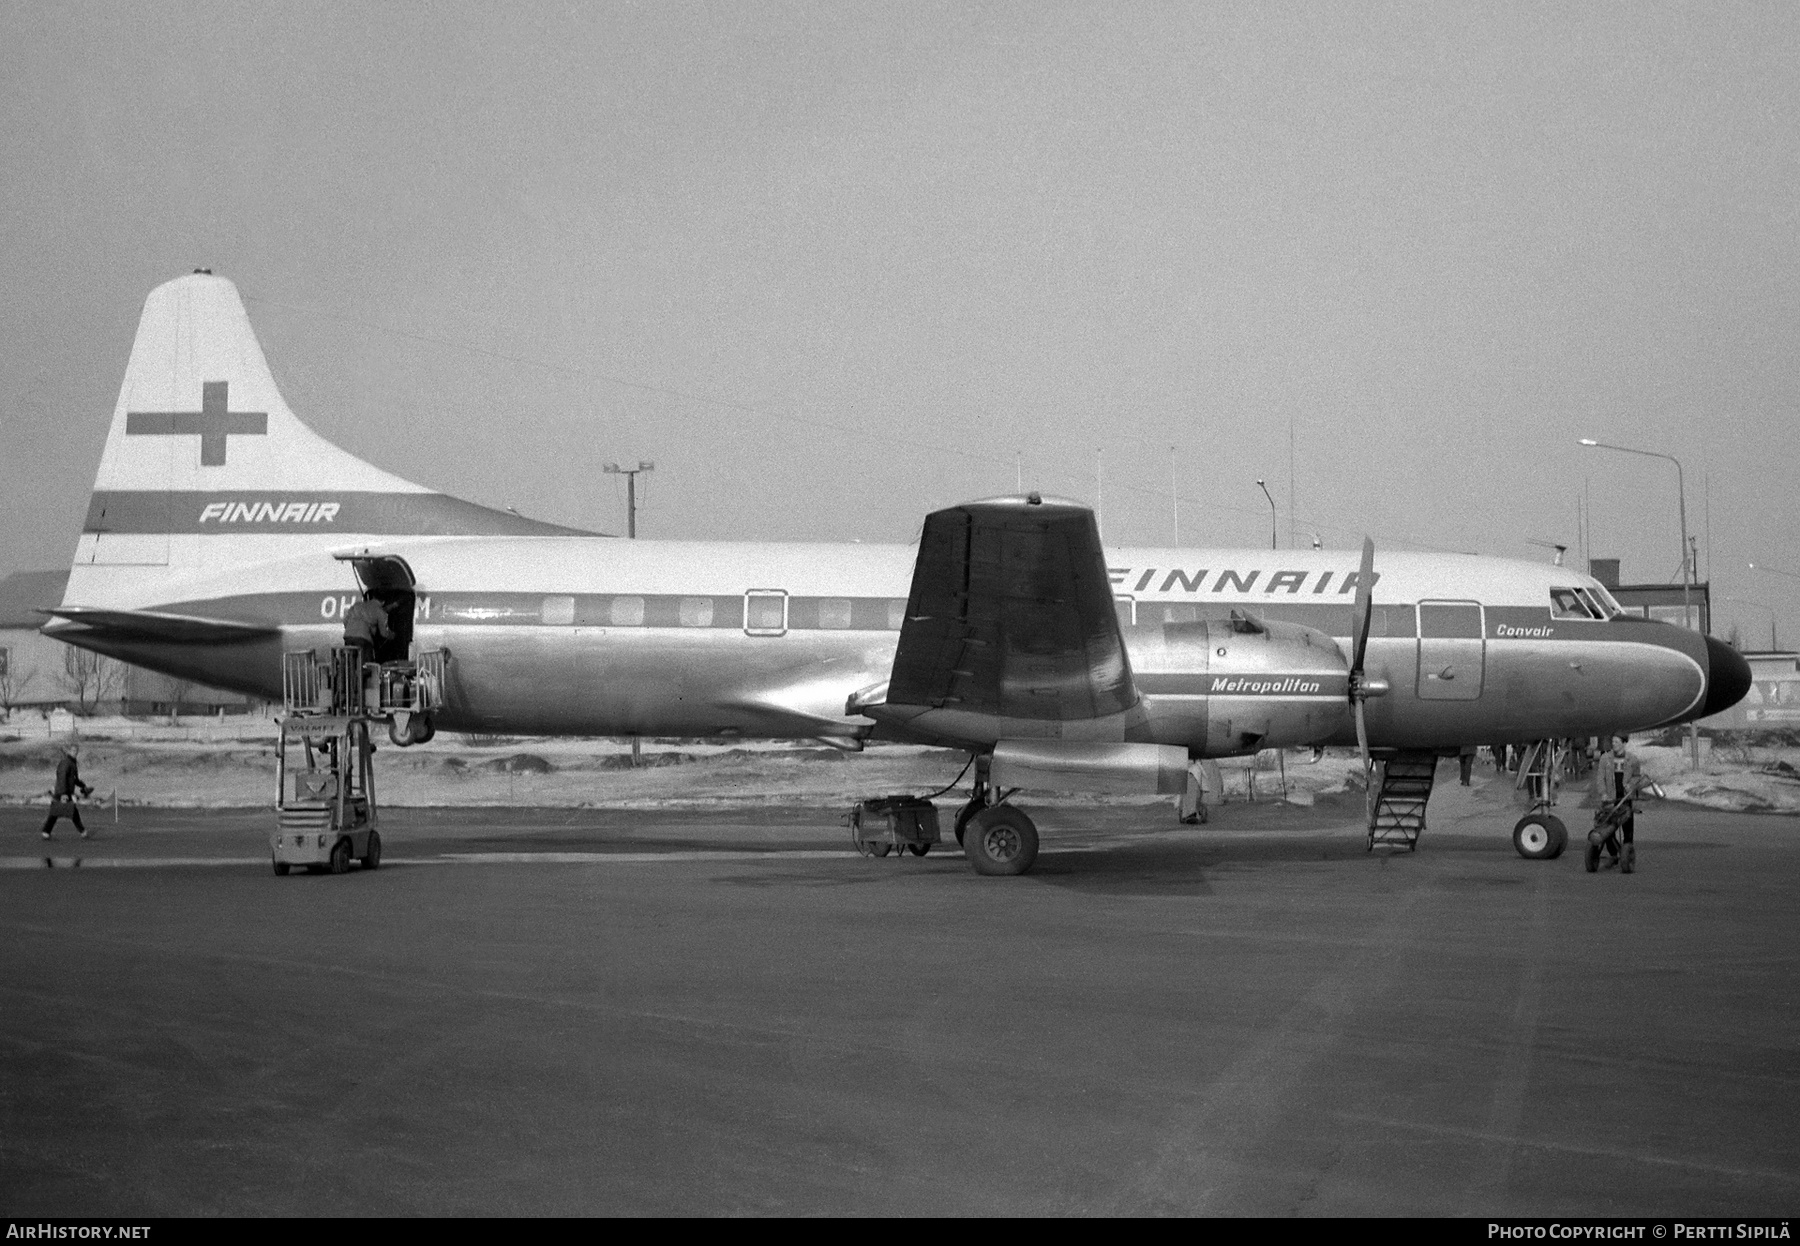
(366, 624)
(62, 795)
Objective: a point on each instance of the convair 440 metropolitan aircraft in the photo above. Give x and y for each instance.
(223, 532)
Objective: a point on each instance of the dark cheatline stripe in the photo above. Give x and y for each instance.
(1181, 683)
(632, 611)
(307, 511)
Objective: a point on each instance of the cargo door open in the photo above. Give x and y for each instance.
(388, 580)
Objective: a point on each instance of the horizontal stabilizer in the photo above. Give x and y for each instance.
(157, 625)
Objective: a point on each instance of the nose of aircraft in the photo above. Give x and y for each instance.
(1727, 677)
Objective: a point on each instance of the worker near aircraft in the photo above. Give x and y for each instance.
(1620, 776)
(1202, 777)
(365, 625)
(62, 794)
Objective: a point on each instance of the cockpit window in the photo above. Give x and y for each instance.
(1609, 605)
(1594, 603)
(1568, 603)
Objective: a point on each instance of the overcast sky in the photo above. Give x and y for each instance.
(833, 266)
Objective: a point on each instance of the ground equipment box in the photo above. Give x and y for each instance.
(893, 824)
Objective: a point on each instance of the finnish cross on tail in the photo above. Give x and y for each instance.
(214, 422)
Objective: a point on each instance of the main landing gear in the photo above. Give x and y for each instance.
(998, 839)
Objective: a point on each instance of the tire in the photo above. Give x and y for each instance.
(918, 850)
(968, 811)
(1001, 841)
(1559, 835)
(372, 859)
(340, 856)
(1592, 861)
(400, 738)
(1540, 837)
(281, 869)
(423, 729)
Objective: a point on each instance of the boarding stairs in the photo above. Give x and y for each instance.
(1398, 795)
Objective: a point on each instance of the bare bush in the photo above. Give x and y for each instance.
(90, 679)
(13, 683)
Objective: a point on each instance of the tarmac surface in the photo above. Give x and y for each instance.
(583, 1011)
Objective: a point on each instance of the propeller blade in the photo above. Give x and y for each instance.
(1365, 608)
(1362, 744)
(1365, 601)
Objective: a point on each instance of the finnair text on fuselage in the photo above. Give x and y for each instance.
(1181, 580)
(269, 512)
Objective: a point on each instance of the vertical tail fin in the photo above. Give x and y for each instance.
(206, 467)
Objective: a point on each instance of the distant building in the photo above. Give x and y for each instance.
(39, 673)
(1662, 602)
(1773, 702)
(33, 674)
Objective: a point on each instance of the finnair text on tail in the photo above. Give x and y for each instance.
(269, 512)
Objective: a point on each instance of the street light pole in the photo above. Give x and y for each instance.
(1687, 577)
(1273, 519)
(631, 475)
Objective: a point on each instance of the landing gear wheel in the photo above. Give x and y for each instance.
(371, 860)
(340, 857)
(281, 869)
(1001, 840)
(1540, 837)
(968, 811)
(1628, 860)
(918, 850)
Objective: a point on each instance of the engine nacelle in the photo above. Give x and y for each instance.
(1089, 766)
(1227, 687)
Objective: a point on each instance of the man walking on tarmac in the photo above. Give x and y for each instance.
(1620, 777)
(62, 796)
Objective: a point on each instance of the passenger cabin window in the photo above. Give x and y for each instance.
(765, 612)
(696, 612)
(1124, 607)
(896, 614)
(834, 612)
(627, 612)
(558, 611)
(1568, 603)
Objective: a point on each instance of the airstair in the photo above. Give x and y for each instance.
(1401, 789)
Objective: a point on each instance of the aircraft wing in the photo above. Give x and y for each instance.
(1011, 617)
(163, 626)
